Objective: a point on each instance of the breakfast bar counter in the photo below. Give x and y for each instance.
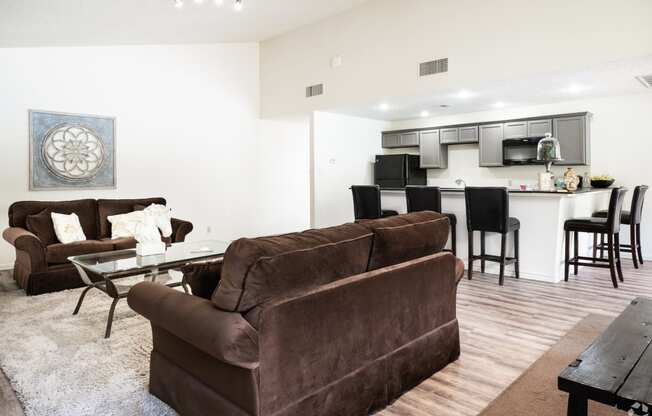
(542, 215)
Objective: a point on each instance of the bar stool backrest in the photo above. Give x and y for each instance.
(636, 210)
(366, 202)
(615, 209)
(487, 209)
(423, 198)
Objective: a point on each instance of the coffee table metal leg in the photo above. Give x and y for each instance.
(109, 322)
(81, 299)
(577, 405)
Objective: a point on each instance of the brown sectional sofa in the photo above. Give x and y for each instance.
(42, 264)
(337, 321)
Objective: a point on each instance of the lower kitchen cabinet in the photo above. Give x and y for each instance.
(433, 154)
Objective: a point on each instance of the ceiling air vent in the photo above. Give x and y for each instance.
(433, 67)
(646, 80)
(314, 90)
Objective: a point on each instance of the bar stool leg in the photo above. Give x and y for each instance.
(470, 244)
(454, 241)
(566, 262)
(503, 243)
(601, 246)
(576, 251)
(638, 243)
(517, 256)
(482, 250)
(595, 246)
(632, 243)
(618, 262)
(612, 265)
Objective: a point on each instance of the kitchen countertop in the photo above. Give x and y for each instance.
(519, 191)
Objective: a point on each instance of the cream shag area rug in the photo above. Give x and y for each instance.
(60, 364)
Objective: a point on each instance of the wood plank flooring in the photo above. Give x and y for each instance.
(503, 330)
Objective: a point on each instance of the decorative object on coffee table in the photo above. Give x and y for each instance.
(100, 270)
(615, 369)
(71, 151)
(156, 218)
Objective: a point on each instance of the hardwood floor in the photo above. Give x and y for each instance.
(504, 330)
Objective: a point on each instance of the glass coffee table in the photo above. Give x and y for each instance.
(108, 271)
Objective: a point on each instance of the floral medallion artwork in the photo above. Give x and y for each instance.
(71, 151)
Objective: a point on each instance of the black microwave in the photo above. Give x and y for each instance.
(521, 151)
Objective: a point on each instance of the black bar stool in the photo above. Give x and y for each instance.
(631, 218)
(366, 203)
(428, 198)
(487, 210)
(593, 225)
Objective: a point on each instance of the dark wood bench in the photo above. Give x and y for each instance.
(616, 369)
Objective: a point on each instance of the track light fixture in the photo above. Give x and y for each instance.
(237, 4)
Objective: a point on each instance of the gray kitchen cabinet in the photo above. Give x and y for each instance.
(449, 135)
(468, 134)
(391, 140)
(491, 145)
(410, 139)
(515, 130)
(574, 138)
(539, 128)
(433, 154)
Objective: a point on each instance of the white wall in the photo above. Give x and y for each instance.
(621, 145)
(187, 123)
(343, 153)
(382, 41)
(284, 176)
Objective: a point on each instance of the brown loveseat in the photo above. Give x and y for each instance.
(336, 321)
(42, 264)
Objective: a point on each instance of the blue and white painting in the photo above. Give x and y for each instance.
(71, 151)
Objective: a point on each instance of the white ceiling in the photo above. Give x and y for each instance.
(610, 79)
(120, 22)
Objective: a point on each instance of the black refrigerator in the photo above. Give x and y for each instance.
(398, 171)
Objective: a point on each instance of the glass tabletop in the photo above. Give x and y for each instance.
(126, 261)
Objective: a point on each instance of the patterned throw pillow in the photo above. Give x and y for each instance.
(124, 225)
(67, 228)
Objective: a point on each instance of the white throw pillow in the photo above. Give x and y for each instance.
(67, 228)
(124, 225)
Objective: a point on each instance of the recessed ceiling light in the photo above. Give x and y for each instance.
(383, 106)
(575, 88)
(178, 4)
(219, 2)
(425, 113)
(464, 94)
(237, 5)
(499, 104)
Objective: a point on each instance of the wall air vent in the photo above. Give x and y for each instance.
(314, 90)
(433, 67)
(646, 80)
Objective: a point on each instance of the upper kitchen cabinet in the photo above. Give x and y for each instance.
(468, 134)
(574, 138)
(491, 145)
(515, 130)
(405, 139)
(433, 153)
(539, 128)
(449, 135)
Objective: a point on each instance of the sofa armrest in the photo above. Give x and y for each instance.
(322, 335)
(29, 243)
(226, 336)
(180, 229)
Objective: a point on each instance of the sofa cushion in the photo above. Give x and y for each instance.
(110, 207)
(123, 243)
(86, 210)
(394, 245)
(41, 225)
(403, 219)
(59, 253)
(242, 255)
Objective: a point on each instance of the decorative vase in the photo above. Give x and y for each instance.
(571, 179)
